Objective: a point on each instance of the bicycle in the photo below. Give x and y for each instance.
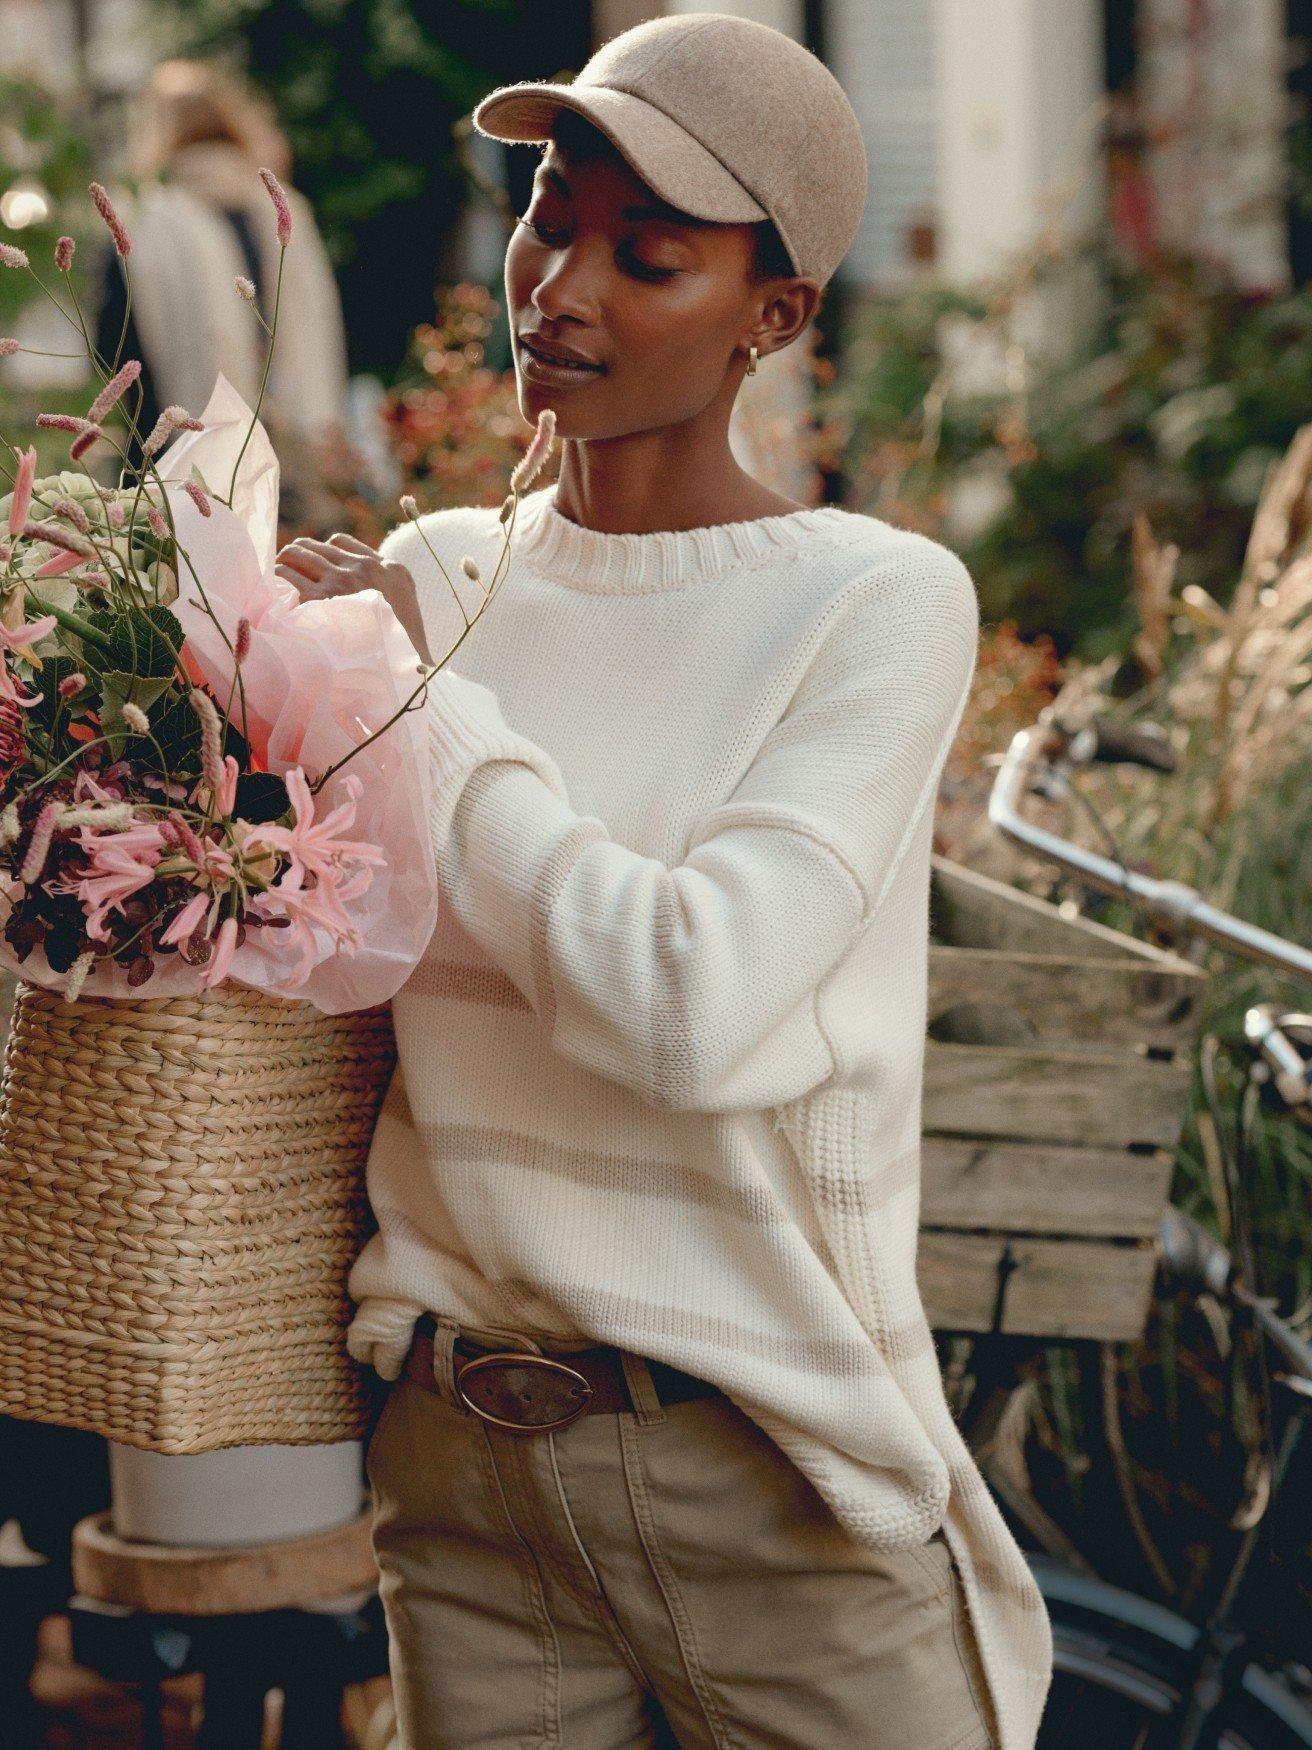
(1127, 1670)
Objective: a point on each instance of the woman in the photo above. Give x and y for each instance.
(668, 1457)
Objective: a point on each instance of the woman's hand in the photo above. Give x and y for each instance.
(343, 565)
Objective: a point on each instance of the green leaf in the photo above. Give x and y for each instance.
(116, 689)
(261, 797)
(146, 641)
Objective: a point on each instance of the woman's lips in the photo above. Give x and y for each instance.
(546, 370)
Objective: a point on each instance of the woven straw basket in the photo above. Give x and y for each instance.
(181, 1198)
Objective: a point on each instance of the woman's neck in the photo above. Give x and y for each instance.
(630, 497)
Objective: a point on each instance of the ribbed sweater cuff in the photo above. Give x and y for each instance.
(466, 730)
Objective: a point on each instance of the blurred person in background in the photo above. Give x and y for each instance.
(202, 219)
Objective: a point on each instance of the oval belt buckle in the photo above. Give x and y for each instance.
(567, 1394)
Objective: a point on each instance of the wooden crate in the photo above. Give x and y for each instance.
(1057, 1073)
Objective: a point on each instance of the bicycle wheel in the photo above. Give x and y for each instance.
(1121, 1664)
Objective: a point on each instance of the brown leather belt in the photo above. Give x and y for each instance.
(530, 1393)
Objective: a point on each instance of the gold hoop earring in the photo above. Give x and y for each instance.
(751, 361)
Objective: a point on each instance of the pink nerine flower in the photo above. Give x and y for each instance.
(119, 864)
(12, 256)
(22, 638)
(280, 206)
(187, 921)
(64, 251)
(114, 389)
(313, 847)
(21, 502)
(105, 207)
(225, 946)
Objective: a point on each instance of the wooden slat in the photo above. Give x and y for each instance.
(1048, 1095)
(1042, 1188)
(1058, 1288)
(1004, 996)
(969, 910)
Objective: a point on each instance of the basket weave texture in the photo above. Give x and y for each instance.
(181, 1198)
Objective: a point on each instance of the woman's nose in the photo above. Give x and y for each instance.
(568, 288)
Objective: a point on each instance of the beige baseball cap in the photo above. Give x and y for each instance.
(724, 118)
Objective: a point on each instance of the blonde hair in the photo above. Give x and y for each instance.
(184, 103)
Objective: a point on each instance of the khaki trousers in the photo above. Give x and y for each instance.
(659, 1576)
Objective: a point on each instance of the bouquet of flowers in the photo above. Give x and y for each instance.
(213, 841)
(201, 776)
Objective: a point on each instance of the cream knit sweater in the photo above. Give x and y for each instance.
(659, 1077)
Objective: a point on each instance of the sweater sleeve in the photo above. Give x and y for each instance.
(694, 985)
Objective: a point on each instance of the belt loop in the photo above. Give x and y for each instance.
(647, 1405)
(444, 1371)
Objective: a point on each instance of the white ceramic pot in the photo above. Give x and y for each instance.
(237, 1495)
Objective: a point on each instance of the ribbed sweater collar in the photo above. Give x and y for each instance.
(608, 564)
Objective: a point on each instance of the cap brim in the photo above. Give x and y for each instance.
(664, 155)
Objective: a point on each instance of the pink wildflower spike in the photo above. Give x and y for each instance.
(39, 847)
(280, 206)
(135, 718)
(77, 976)
(11, 256)
(245, 288)
(64, 252)
(72, 684)
(225, 946)
(188, 839)
(172, 419)
(116, 514)
(211, 739)
(197, 497)
(8, 347)
(157, 524)
(72, 512)
(79, 446)
(59, 564)
(21, 502)
(6, 553)
(54, 536)
(114, 390)
(105, 207)
(62, 422)
(241, 648)
(530, 463)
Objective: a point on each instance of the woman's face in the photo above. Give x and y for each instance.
(655, 300)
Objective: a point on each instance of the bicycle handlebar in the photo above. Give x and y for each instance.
(1199, 1264)
(1043, 751)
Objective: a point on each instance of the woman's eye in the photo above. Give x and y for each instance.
(542, 235)
(642, 269)
(645, 270)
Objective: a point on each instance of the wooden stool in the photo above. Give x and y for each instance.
(301, 1616)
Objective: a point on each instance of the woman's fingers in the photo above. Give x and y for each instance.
(352, 544)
